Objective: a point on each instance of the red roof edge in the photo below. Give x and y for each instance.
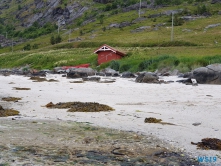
(114, 50)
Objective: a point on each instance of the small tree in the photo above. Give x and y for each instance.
(104, 29)
(27, 47)
(58, 39)
(52, 40)
(35, 46)
(101, 19)
(81, 32)
(19, 7)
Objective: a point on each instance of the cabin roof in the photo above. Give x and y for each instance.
(106, 47)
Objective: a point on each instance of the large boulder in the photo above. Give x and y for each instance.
(80, 72)
(210, 74)
(147, 77)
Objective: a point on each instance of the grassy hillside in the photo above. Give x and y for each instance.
(194, 43)
(138, 58)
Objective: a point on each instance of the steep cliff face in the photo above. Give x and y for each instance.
(53, 12)
(44, 11)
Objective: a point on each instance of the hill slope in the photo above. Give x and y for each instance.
(122, 21)
(88, 24)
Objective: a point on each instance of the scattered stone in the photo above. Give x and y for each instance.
(110, 72)
(141, 29)
(196, 124)
(148, 77)
(128, 75)
(94, 79)
(80, 72)
(107, 81)
(209, 95)
(77, 81)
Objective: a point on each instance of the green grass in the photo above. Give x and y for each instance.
(48, 59)
(181, 58)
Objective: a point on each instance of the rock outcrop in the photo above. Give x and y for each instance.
(210, 74)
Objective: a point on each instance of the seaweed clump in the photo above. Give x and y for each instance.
(7, 112)
(11, 99)
(152, 120)
(208, 143)
(81, 106)
(38, 79)
(17, 88)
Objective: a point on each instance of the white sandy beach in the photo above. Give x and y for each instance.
(174, 103)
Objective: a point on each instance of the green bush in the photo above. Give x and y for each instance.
(27, 47)
(124, 67)
(115, 65)
(55, 40)
(35, 46)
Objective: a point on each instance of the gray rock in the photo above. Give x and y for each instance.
(188, 75)
(196, 124)
(139, 19)
(110, 72)
(94, 79)
(215, 1)
(210, 74)
(124, 24)
(100, 74)
(169, 12)
(80, 72)
(140, 29)
(212, 26)
(128, 75)
(147, 77)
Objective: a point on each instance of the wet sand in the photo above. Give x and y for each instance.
(42, 142)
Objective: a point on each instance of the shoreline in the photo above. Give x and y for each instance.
(182, 105)
(71, 143)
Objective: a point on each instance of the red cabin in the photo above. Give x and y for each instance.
(107, 53)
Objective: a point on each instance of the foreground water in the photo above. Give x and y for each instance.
(28, 142)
